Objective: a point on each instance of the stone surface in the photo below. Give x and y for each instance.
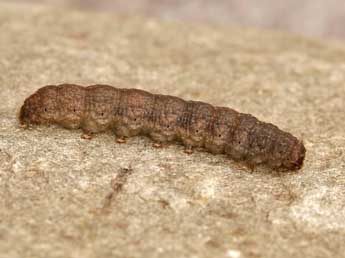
(62, 196)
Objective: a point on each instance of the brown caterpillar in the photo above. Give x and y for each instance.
(163, 118)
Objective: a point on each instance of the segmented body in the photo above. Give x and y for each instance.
(131, 112)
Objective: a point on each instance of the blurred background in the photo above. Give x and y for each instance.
(316, 18)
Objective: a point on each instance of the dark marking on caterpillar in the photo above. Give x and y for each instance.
(130, 112)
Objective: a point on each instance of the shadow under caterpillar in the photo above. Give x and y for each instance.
(130, 112)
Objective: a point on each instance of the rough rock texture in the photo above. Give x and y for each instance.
(62, 196)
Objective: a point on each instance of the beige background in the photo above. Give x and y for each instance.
(317, 18)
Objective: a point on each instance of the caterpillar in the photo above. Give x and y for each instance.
(131, 112)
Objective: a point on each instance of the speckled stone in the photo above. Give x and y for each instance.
(62, 196)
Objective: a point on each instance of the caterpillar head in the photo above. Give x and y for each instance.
(294, 161)
(39, 108)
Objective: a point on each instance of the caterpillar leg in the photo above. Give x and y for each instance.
(121, 139)
(188, 149)
(23, 126)
(251, 166)
(86, 136)
(157, 145)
